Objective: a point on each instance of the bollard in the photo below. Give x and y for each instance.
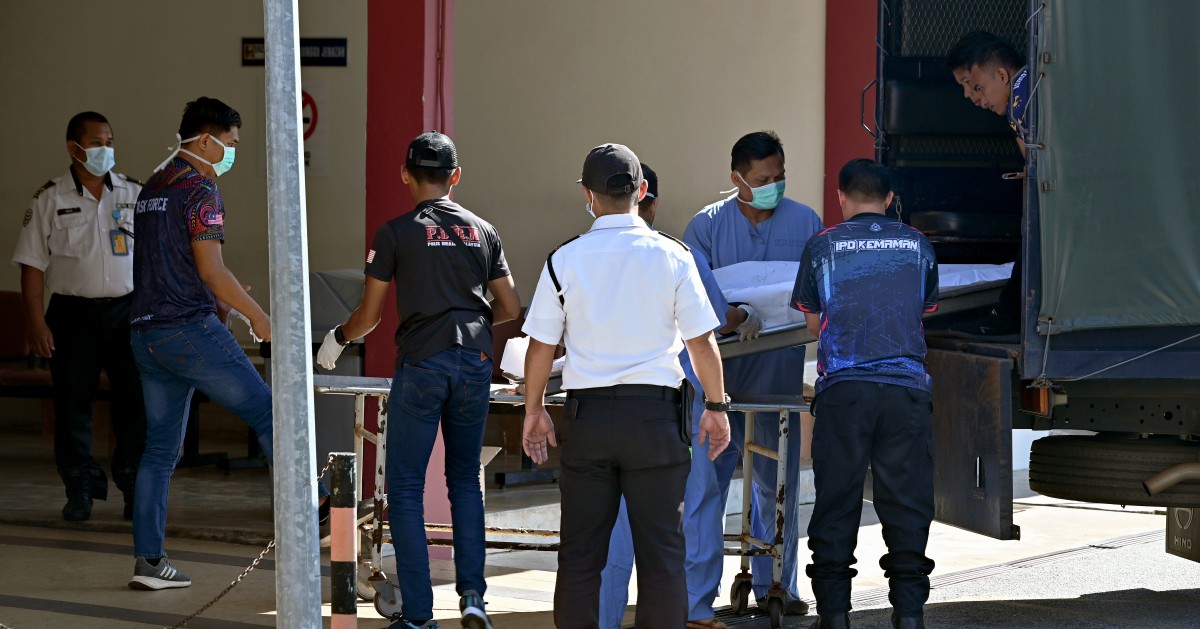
(343, 551)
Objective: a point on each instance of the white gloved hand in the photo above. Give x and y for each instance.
(330, 350)
(752, 326)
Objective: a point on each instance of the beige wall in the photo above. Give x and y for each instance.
(138, 62)
(537, 84)
(540, 82)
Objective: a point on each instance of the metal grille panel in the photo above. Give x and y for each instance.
(929, 28)
(965, 145)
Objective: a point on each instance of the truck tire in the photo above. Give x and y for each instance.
(1110, 469)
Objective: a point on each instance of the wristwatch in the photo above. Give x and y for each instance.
(340, 337)
(717, 406)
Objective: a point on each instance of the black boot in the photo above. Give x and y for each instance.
(908, 622)
(79, 495)
(834, 621)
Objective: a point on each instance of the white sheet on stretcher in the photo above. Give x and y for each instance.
(767, 286)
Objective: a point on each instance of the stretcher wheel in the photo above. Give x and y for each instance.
(387, 599)
(775, 610)
(739, 594)
(362, 585)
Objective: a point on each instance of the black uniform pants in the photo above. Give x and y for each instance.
(90, 335)
(888, 427)
(622, 440)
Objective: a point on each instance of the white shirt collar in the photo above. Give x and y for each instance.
(614, 221)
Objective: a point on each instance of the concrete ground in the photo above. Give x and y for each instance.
(1077, 565)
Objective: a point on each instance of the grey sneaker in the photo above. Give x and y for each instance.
(473, 617)
(160, 577)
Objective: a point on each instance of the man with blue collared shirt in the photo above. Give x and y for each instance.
(759, 224)
(704, 536)
(625, 300)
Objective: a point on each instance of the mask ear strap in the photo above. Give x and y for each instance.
(174, 151)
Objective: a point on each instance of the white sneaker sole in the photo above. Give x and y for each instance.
(475, 618)
(154, 583)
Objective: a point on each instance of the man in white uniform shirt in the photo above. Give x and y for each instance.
(77, 242)
(622, 298)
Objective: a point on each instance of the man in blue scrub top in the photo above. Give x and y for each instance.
(704, 536)
(759, 224)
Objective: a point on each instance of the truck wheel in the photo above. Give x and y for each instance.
(1110, 469)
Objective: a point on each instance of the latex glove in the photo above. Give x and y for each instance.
(233, 312)
(330, 350)
(752, 326)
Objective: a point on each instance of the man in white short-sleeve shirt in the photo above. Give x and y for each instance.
(624, 299)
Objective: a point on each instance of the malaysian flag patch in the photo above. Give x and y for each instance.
(370, 256)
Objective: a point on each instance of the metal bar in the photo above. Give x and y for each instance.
(747, 487)
(343, 552)
(446, 528)
(767, 452)
(297, 555)
(781, 514)
(360, 407)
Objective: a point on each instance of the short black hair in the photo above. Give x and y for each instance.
(981, 48)
(651, 178)
(427, 174)
(865, 180)
(78, 124)
(207, 115)
(752, 147)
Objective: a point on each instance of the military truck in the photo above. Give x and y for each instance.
(1105, 213)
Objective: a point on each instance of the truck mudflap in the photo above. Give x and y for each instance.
(972, 433)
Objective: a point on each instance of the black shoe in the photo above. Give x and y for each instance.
(836, 621)
(82, 484)
(992, 326)
(908, 622)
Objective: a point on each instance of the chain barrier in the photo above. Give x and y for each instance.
(243, 575)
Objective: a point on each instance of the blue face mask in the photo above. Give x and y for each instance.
(100, 159)
(765, 197)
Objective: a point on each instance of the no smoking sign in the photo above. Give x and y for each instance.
(308, 113)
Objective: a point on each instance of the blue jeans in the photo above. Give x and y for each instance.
(449, 389)
(175, 362)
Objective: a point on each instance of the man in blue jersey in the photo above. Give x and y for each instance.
(759, 224)
(703, 515)
(863, 286)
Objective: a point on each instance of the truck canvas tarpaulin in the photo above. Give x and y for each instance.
(1119, 175)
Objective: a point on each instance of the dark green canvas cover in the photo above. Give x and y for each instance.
(1119, 178)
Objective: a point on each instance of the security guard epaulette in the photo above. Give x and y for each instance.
(670, 237)
(46, 185)
(131, 180)
(550, 267)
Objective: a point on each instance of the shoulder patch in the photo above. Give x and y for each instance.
(677, 241)
(48, 184)
(28, 217)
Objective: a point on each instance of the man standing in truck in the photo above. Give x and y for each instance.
(994, 76)
(863, 286)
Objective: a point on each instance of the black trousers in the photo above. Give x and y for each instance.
(623, 440)
(90, 335)
(887, 426)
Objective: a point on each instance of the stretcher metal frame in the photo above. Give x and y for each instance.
(374, 585)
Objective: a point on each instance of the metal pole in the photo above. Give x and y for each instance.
(343, 551)
(297, 567)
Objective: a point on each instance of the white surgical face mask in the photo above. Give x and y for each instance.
(100, 159)
(589, 209)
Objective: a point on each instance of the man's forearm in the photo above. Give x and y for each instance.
(538, 361)
(226, 287)
(706, 360)
(33, 288)
(358, 325)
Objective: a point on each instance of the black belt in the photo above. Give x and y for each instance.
(643, 391)
(91, 301)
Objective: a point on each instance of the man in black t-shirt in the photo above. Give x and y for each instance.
(863, 286)
(444, 259)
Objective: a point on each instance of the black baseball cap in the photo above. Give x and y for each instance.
(432, 150)
(611, 169)
(651, 178)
